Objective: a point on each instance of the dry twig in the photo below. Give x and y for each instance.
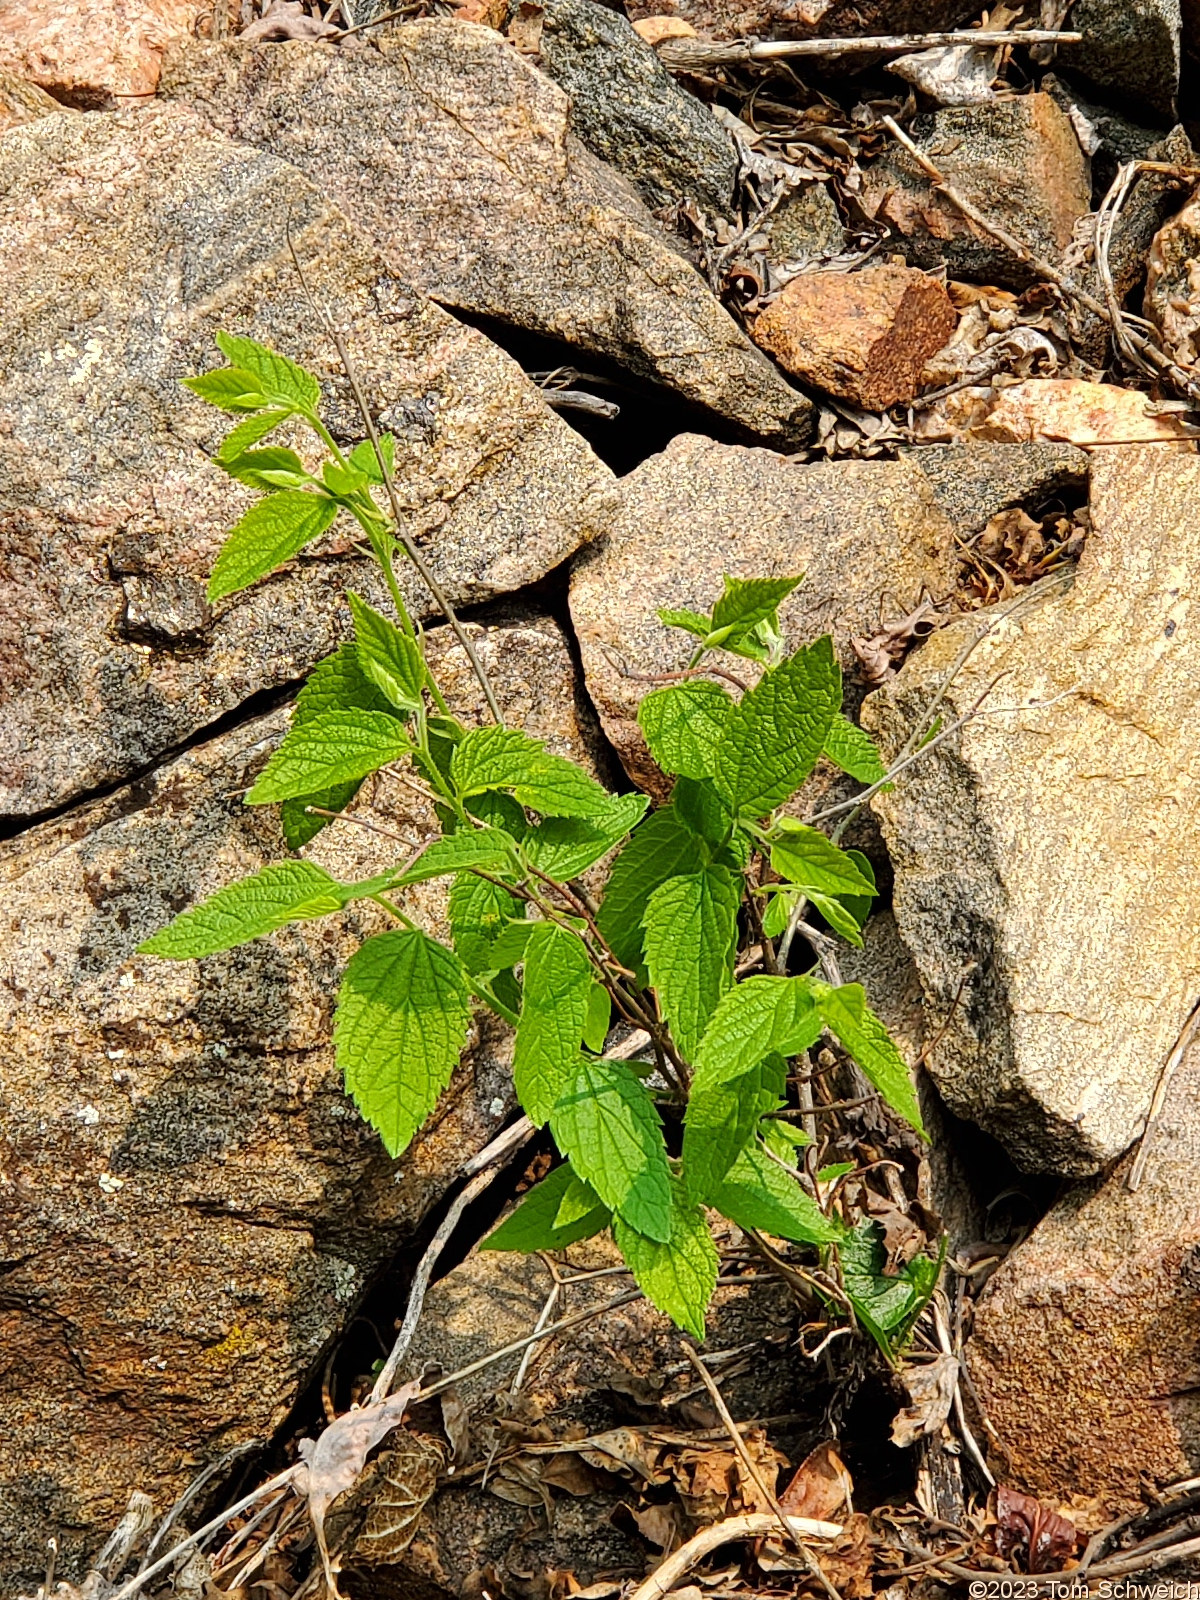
(686, 55)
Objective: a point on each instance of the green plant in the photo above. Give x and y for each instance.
(688, 888)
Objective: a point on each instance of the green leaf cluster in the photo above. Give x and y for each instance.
(524, 836)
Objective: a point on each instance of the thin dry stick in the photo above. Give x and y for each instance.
(499, 1149)
(751, 1466)
(403, 537)
(752, 1526)
(1190, 1028)
(681, 55)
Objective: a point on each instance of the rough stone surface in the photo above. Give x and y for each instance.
(93, 53)
(1018, 160)
(453, 154)
(804, 19)
(1173, 285)
(855, 529)
(1130, 49)
(1045, 864)
(606, 1373)
(127, 240)
(1085, 1351)
(972, 482)
(191, 1206)
(862, 336)
(22, 101)
(628, 109)
(807, 226)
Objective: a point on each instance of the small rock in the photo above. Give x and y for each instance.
(862, 336)
(806, 226)
(126, 242)
(976, 480)
(1130, 49)
(655, 29)
(453, 154)
(22, 101)
(1107, 136)
(93, 54)
(951, 75)
(1084, 1352)
(1172, 289)
(628, 109)
(1078, 412)
(804, 19)
(1019, 161)
(1044, 859)
(179, 1258)
(856, 529)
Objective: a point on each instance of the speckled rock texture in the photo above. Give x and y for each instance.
(856, 529)
(454, 154)
(629, 110)
(1131, 50)
(805, 19)
(1019, 161)
(125, 242)
(93, 54)
(190, 1205)
(1086, 1345)
(1045, 861)
(22, 101)
(974, 481)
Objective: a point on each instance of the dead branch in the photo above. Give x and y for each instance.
(752, 1526)
(686, 55)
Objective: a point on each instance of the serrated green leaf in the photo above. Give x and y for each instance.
(684, 726)
(606, 1123)
(747, 602)
(850, 748)
(805, 857)
(558, 981)
(758, 1193)
(280, 378)
(579, 1200)
(270, 469)
(859, 1031)
(510, 945)
(721, 1118)
(599, 1018)
(284, 892)
(887, 1306)
(402, 1017)
(859, 905)
(776, 732)
(300, 825)
(659, 848)
(504, 758)
(690, 942)
(270, 532)
(701, 807)
(838, 918)
(344, 481)
(229, 389)
(835, 1170)
(479, 912)
(678, 1276)
(778, 913)
(486, 848)
(363, 457)
(387, 656)
(249, 432)
(690, 621)
(533, 1225)
(338, 684)
(563, 847)
(335, 747)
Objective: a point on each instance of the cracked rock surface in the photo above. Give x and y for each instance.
(1045, 859)
(191, 1206)
(126, 241)
(453, 154)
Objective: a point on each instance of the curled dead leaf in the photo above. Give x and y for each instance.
(821, 1486)
(1047, 1538)
(931, 1390)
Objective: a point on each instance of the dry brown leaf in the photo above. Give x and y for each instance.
(1047, 1537)
(849, 1562)
(488, 13)
(624, 1449)
(403, 1482)
(286, 19)
(658, 1525)
(525, 29)
(519, 1481)
(456, 1420)
(931, 1390)
(821, 1486)
(1077, 412)
(568, 1473)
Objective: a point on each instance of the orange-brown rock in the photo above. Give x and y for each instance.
(862, 336)
(93, 54)
(22, 101)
